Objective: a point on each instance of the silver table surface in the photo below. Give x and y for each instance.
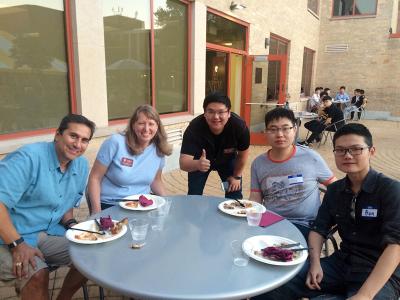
(190, 259)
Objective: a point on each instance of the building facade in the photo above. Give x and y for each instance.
(103, 58)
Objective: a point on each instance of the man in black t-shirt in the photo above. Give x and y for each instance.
(216, 140)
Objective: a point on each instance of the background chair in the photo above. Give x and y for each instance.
(330, 130)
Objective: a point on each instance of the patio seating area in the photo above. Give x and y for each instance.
(387, 160)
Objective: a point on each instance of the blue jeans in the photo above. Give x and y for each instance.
(197, 180)
(337, 283)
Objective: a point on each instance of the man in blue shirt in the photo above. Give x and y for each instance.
(39, 186)
(342, 96)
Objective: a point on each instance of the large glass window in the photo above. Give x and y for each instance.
(354, 7)
(129, 46)
(277, 46)
(313, 5)
(306, 76)
(170, 54)
(33, 65)
(224, 32)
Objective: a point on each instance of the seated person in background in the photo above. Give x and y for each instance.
(342, 96)
(286, 178)
(358, 104)
(329, 115)
(216, 140)
(40, 184)
(314, 101)
(131, 162)
(365, 206)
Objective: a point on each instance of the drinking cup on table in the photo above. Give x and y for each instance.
(253, 215)
(157, 218)
(240, 258)
(138, 228)
(166, 206)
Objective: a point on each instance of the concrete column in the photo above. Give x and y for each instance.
(198, 59)
(89, 59)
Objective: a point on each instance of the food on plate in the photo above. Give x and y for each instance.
(106, 223)
(241, 212)
(236, 205)
(133, 204)
(144, 201)
(278, 253)
(111, 229)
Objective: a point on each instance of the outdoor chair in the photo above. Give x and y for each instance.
(330, 130)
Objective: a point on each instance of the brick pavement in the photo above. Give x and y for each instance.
(387, 160)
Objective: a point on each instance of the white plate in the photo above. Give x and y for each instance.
(157, 201)
(236, 210)
(91, 225)
(259, 242)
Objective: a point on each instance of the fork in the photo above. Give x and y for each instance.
(90, 231)
(240, 203)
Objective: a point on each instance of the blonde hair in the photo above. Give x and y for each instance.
(160, 138)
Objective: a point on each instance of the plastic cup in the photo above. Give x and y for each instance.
(240, 258)
(253, 215)
(157, 218)
(138, 228)
(165, 207)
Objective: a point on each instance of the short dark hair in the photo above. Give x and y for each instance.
(354, 128)
(361, 91)
(217, 97)
(342, 87)
(326, 89)
(279, 113)
(326, 97)
(73, 118)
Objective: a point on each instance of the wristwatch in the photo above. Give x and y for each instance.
(15, 243)
(237, 177)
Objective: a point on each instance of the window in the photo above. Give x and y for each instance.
(313, 5)
(224, 32)
(129, 47)
(306, 76)
(354, 7)
(33, 66)
(398, 19)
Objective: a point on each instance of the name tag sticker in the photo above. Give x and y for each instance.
(369, 212)
(295, 179)
(126, 162)
(229, 150)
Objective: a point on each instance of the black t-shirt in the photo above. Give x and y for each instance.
(219, 148)
(335, 113)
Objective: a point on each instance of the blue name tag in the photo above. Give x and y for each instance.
(295, 179)
(369, 212)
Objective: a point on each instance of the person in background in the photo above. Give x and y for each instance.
(131, 162)
(329, 114)
(325, 92)
(358, 104)
(286, 179)
(40, 184)
(365, 207)
(216, 140)
(314, 101)
(342, 96)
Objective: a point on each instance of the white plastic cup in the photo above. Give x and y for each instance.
(164, 208)
(240, 258)
(253, 215)
(157, 218)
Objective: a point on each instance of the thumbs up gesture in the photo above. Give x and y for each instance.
(203, 162)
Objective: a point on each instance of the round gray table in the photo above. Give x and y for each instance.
(190, 259)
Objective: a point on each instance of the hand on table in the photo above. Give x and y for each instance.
(23, 255)
(203, 162)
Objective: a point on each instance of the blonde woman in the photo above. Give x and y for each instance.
(131, 162)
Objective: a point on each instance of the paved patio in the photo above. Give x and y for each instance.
(387, 160)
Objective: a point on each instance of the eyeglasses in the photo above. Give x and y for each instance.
(219, 113)
(351, 151)
(353, 207)
(275, 130)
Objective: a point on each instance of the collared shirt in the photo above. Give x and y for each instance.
(219, 148)
(36, 192)
(376, 221)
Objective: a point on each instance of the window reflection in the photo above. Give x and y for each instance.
(33, 65)
(170, 54)
(127, 50)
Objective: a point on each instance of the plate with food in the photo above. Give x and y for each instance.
(141, 202)
(95, 232)
(275, 250)
(233, 208)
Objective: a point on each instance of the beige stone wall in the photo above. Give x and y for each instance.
(372, 61)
